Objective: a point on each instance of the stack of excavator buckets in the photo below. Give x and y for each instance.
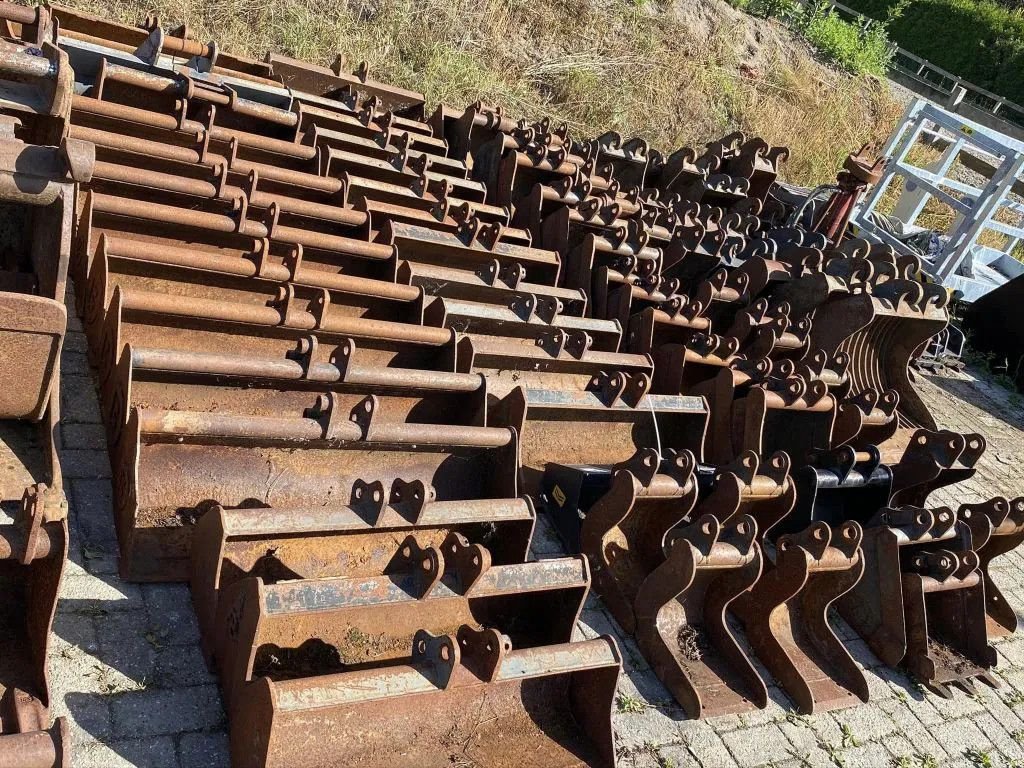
(348, 350)
(39, 168)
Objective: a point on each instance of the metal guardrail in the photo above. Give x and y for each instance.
(934, 76)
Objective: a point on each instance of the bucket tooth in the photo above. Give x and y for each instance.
(785, 616)
(682, 622)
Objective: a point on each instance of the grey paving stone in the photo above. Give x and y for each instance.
(171, 613)
(209, 750)
(75, 342)
(866, 722)
(84, 437)
(652, 727)
(180, 665)
(160, 711)
(758, 746)
(78, 401)
(75, 629)
(1009, 747)
(74, 363)
(124, 645)
(92, 507)
(545, 538)
(89, 717)
(707, 748)
(85, 464)
(96, 596)
(957, 736)
(865, 756)
(158, 752)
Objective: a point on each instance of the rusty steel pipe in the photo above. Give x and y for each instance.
(14, 543)
(19, 14)
(450, 435)
(237, 426)
(37, 749)
(18, 62)
(165, 182)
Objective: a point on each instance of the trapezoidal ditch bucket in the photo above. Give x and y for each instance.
(786, 616)
(681, 617)
(468, 697)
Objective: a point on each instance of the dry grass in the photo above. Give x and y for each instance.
(940, 216)
(628, 65)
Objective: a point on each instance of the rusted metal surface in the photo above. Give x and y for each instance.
(33, 549)
(997, 527)
(922, 600)
(345, 349)
(681, 623)
(786, 616)
(39, 169)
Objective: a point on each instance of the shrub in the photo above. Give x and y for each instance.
(979, 40)
(861, 50)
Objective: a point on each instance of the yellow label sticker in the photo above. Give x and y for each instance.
(559, 495)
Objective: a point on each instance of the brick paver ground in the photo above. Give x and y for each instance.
(126, 668)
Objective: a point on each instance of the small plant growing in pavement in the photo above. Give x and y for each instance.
(834, 753)
(626, 704)
(979, 757)
(849, 739)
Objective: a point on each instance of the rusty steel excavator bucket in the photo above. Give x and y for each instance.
(343, 347)
(39, 166)
(33, 549)
(932, 460)
(333, 624)
(469, 696)
(921, 600)
(277, 544)
(997, 527)
(624, 533)
(786, 620)
(682, 622)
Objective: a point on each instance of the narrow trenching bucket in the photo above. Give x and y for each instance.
(624, 532)
(681, 617)
(786, 618)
